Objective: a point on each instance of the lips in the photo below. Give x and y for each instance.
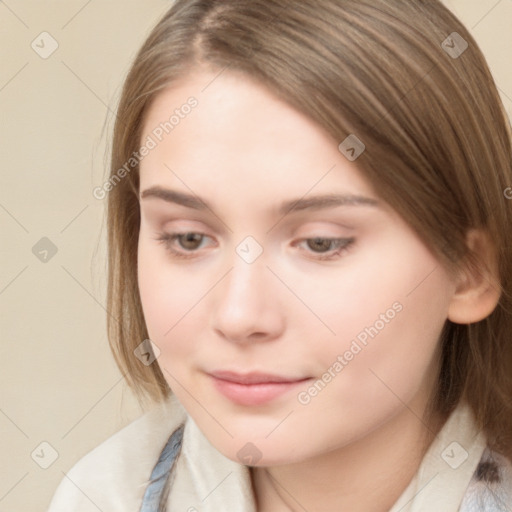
(253, 388)
(253, 377)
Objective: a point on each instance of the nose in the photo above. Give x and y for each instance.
(246, 307)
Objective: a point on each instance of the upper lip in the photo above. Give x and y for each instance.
(253, 377)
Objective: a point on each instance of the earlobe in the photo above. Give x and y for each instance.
(478, 286)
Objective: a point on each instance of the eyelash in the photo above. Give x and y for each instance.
(167, 239)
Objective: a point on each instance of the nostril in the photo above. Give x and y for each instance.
(258, 335)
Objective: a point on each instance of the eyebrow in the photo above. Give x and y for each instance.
(311, 203)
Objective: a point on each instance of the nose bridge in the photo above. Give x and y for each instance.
(245, 283)
(248, 270)
(246, 302)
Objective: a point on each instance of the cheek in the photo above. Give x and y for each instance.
(171, 302)
(163, 294)
(382, 357)
(387, 328)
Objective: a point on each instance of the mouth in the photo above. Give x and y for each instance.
(253, 388)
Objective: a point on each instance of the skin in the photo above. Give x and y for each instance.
(244, 151)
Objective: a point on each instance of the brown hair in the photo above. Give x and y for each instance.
(438, 150)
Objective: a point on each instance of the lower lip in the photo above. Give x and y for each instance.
(254, 394)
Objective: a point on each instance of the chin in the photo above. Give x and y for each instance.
(250, 447)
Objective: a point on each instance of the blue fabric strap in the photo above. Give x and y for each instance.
(161, 472)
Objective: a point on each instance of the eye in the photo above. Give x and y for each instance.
(328, 248)
(189, 243)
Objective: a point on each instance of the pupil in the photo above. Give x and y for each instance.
(191, 237)
(322, 242)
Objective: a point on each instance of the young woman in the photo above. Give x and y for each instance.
(309, 217)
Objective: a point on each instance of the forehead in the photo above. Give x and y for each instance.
(231, 104)
(241, 136)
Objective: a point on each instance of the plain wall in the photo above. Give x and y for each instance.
(59, 383)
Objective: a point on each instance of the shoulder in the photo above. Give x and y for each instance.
(114, 475)
(490, 488)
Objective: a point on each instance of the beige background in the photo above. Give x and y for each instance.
(59, 384)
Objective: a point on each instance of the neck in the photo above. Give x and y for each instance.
(368, 475)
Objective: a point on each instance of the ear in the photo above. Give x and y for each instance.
(477, 285)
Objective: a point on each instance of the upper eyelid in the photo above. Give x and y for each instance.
(197, 216)
(285, 229)
(158, 215)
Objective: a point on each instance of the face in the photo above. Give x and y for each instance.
(288, 325)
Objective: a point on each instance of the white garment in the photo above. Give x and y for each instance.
(114, 476)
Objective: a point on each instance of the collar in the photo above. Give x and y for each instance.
(447, 468)
(207, 481)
